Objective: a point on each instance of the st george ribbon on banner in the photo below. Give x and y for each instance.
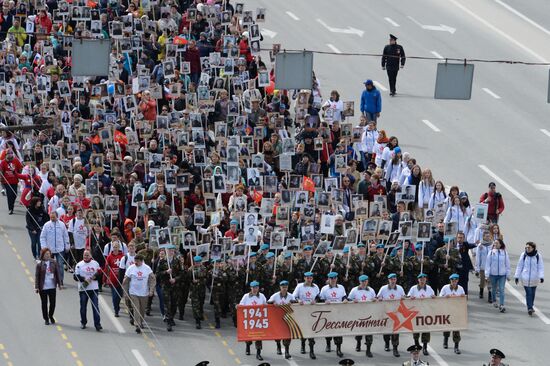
(271, 322)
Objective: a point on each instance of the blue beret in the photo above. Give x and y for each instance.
(379, 246)
(254, 284)
(346, 249)
(283, 283)
(392, 275)
(363, 278)
(252, 254)
(421, 275)
(418, 246)
(269, 255)
(454, 276)
(308, 274)
(197, 258)
(288, 255)
(308, 247)
(332, 275)
(264, 247)
(214, 260)
(361, 245)
(234, 222)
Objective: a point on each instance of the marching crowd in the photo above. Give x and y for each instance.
(184, 175)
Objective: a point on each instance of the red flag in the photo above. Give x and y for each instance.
(120, 138)
(308, 184)
(180, 40)
(257, 196)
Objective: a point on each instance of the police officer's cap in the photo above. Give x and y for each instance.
(497, 353)
(332, 275)
(393, 37)
(392, 275)
(254, 284)
(283, 283)
(346, 362)
(414, 348)
(454, 276)
(269, 255)
(265, 364)
(197, 258)
(363, 278)
(203, 363)
(422, 275)
(308, 274)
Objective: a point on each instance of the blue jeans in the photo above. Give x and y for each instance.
(530, 296)
(59, 258)
(35, 243)
(84, 296)
(161, 298)
(116, 293)
(371, 116)
(498, 282)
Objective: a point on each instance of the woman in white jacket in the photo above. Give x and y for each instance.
(482, 250)
(438, 195)
(456, 213)
(530, 270)
(497, 267)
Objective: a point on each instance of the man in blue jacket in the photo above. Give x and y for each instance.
(371, 101)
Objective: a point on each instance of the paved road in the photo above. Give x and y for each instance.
(500, 129)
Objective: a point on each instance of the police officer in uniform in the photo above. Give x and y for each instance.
(496, 357)
(393, 57)
(415, 356)
(282, 297)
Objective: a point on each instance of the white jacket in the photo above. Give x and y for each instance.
(497, 263)
(425, 191)
(455, 214)
(54, 236)
(530, 269)
(368, 140)
(481, 256)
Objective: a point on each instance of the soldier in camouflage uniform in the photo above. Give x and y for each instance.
(329, 263)
(217, 280)
(234, 288)
(402, 269)
(304, 264)
(446, 259)
(198, 289)
(167, 272)
(283, 272)
(415, 263)
(375, 268)
(262, 253)
(268, 278)
(184, 285)
(255, 270)
(350, 270)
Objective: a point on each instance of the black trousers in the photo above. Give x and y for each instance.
(46, 295)
(11, 194)
(392, 78)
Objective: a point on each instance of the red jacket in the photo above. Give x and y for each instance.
(149, 109)
(495, 204)
(193, 56)
(373, 191)
(112, 268)
(10, 171)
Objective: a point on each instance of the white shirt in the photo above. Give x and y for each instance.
(49, 280)
(139, 277)
(277, 299)
(421, 293)
(387, 293)
(361, 294)
(80, 232)
(108, 249)
(126, 261)
(306, 294)
(87, 270)
(250, 300)
(448, 291)
(333, 294)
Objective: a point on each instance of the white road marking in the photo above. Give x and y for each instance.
(292, 15)
(268, 33)
(497, 30)
(291, 362)
(522, 16)
(521, 299)
(545, 131)
(107, 310)
(380, 86)
(547, 219)
(440, 27)
(436, 54)
(431, 125)
(437, 357)
(491, 93)
(141, 361)
(389, 20)
(333, 48)
(504, 184)
(538, 186)
(348, 30)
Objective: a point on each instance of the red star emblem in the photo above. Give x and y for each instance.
(392, 296)
(364, 297)
(407, 314)
(333, 294)
(89, 269)
(140, 273)
(254, 302)
(308, 294)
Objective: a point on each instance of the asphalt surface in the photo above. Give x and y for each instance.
(503, 135)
